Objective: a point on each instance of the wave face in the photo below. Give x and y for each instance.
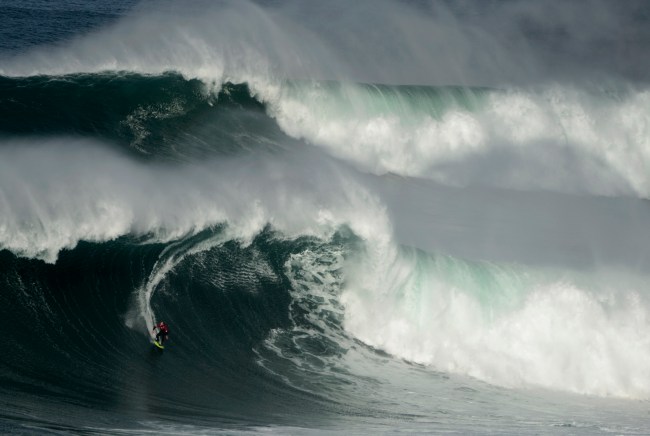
(444, 231)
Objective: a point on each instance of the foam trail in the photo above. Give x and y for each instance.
(171, 256)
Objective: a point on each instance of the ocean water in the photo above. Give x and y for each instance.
(356, 217)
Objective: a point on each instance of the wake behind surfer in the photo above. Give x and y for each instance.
(162, 333)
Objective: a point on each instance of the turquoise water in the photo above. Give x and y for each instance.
(441, 233)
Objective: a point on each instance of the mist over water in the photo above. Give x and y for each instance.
(76, 190)
(561, 115)
(409, 42)
(379, 216)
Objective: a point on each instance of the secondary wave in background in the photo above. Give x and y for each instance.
(229, 160)
(580, 127)
(558, 138)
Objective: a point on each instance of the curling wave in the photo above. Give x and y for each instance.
(332, 246)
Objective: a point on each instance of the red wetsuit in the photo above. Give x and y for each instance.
(163, 331)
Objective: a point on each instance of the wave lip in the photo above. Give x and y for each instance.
(558, 138)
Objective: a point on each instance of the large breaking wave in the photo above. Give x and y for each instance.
(310, 234)
(427, 308)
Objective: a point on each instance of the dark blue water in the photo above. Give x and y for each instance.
(26, 24)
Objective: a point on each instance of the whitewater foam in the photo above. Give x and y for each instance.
(505, 326)
(58, 192)
(555, 137)
(558, 138)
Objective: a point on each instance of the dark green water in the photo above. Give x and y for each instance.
(354, 219)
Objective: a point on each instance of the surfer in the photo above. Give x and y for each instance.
(163, 332)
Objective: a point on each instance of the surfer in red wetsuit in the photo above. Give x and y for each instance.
(163, 332)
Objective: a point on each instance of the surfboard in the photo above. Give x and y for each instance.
(155, 342)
